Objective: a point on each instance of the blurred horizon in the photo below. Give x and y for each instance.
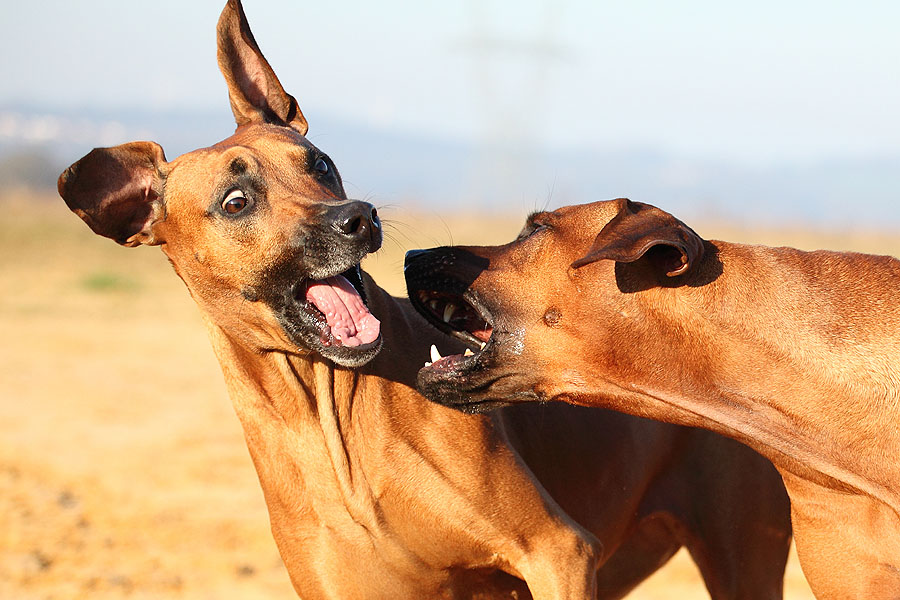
(775, 114)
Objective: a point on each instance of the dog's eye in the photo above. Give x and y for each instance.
(529, 230)
(534, 223)
(322, 166)
(234, 202)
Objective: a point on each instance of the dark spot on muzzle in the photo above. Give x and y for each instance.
(552, 317)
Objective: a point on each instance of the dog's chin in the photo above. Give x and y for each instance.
(456, 400)
(302, 315)
(351, 357)
(472, 386)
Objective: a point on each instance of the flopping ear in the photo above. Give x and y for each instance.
(118, 191)
(255, 92)
(639, 228)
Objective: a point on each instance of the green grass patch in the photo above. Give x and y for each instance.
(109, 282)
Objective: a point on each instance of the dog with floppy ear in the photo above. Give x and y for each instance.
(372, 491)
(793, 353)
(368, 490)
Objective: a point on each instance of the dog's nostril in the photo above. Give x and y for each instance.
(357, 220)
(351, 225)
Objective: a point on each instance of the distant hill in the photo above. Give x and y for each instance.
(409, 169)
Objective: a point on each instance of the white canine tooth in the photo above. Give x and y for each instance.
(483, 344)
(468, 353)
(435, 355)
(428, 364)
(448, 312)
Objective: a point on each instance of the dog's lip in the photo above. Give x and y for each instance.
(473, 406)
(461, 316)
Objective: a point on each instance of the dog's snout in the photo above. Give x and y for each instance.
(358, 220)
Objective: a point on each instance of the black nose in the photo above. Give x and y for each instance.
(358, 220)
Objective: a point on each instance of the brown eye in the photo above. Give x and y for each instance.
(321, 166)
(234, 202)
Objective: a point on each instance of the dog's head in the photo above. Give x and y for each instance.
(258, 226)
(535, 310)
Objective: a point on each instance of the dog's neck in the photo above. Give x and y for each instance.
(752, 366)
(296, 412)
(302, 414)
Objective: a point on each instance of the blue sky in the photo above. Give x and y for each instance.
(754, 83)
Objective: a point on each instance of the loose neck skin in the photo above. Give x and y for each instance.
(295, 411)
(313, 427)
(784, 350)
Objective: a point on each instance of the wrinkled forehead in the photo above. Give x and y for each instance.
(277, 148)
(275, 152)
(264, 137)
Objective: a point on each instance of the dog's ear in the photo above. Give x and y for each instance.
(118, 191)
(639, 228)
(255, 92)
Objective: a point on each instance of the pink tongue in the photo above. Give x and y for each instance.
(351, 322)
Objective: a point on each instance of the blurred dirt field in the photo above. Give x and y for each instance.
(123, 471)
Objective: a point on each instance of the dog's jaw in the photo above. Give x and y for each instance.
(485, 377)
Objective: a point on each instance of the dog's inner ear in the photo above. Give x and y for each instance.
(118, 192)
(643, 231)
(254, 90)
(671, 260)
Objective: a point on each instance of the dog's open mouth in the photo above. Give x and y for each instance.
(441, 287)
(461, 316)
(337, 306)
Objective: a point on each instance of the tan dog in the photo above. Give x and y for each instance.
(374, 492)
(796, 354)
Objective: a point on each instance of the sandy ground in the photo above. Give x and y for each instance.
(123, 472)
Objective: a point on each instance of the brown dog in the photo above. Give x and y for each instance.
(372, 491)
(796, 354)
